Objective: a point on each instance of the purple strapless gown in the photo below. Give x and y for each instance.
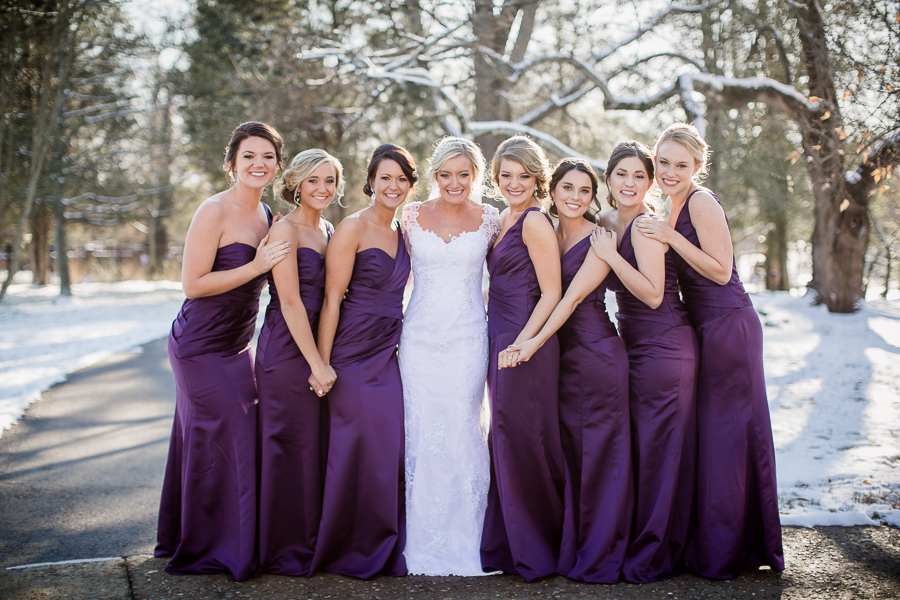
(662, 350)
(207, 514)
(363, 528)
(737, 523)
(523, 521)
(596, 439)
(293, 432)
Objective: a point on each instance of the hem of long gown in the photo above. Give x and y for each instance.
(725, 574)
(454, 573)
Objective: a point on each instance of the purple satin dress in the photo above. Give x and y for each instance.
(363, 528)
(662, 350)
(596, 436)
(207, 514)
(523, 521)
(737, 523)
(293, 431)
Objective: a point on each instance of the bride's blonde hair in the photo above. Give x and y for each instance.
(451, 147)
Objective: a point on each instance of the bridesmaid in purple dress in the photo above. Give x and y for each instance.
(523, 521)
(737, 523)
(593, 391)
(293, 424)
(662, 351)
(363, 528)
(207, 514)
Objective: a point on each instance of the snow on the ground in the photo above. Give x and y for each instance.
(43, 337)
(833, 382)
(834, 396)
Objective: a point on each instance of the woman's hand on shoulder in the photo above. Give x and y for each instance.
(270, 254)
(656, 228)
(604, 243)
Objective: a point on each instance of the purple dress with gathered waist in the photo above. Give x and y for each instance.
(524, 517)
(737, 523)
(596, 438)
(362, 532)
(662, 350)
(207, 513)
(293, 431)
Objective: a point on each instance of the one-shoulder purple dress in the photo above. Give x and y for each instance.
(596, 436)
(523, 521)
(207, 514)
(363, 528)
(662, 351)
(737, 523)
(293, 431)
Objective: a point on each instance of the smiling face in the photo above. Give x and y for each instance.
(317, 190)
(573, 194)
(391, 186)
(454, 179)
(515, 183)
(628, 182)
(674, 168)
(256, 163)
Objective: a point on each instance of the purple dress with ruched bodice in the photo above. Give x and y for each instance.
(596, 438)
(293, 431)
(524, 517)
(207, 514)
(662, 350)
(363, 528)
(737, 523)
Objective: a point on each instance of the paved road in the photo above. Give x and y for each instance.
(80, 477)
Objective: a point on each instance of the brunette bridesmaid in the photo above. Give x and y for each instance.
(662, 351)
(523, 521)
(593, 390)
(737, 523)
(293, 424)
(362, 532)
(207, 514)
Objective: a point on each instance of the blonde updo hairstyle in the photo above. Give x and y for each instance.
(451, 147)
(287, 188)
(688, 136)
(527, 153)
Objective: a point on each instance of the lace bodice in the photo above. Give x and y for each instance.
(443, 363)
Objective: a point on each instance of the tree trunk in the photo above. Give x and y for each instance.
(776, 250)
(159, 233)
(62, 247)
(40, 245)
(491, 102)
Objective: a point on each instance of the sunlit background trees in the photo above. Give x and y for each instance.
(115, 116)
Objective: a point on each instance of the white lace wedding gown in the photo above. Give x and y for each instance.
(443, 364)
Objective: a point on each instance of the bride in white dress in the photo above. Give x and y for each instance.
(443, 364)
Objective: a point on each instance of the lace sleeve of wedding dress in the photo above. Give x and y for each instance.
(409, 216)
(492, 219)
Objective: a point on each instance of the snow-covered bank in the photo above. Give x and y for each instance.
(834, 396)
(833, 381)
(44, 337)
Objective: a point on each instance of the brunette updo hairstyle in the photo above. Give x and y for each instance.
(627, 150)
(524, 151)
(567, 165)
(287, 187)
(393, 152)
(248, 130)
(688, 136)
